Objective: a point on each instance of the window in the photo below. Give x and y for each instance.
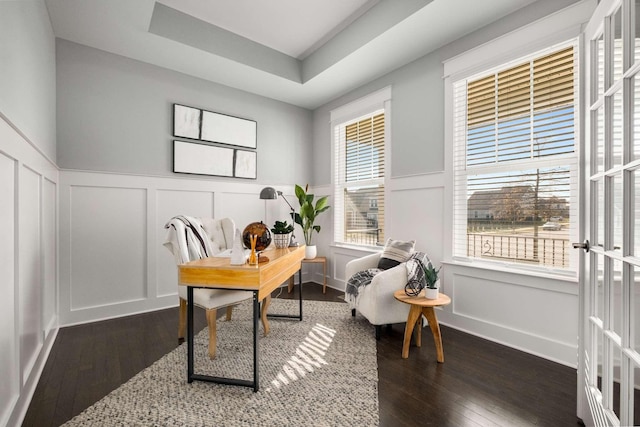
(515, 161)
(359, 170)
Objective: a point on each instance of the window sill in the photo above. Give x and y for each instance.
(567, 277)
(358, 248)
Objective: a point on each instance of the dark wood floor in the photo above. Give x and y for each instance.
(480, 384)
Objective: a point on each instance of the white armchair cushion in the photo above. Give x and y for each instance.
(361, 264)
(375, 301)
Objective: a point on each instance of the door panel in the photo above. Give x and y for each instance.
(608, 379)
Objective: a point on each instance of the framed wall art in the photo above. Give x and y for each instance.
(204, 156)
(202, 159)
(229, 130)
(245, 165)
(194, 123)
(186, 121)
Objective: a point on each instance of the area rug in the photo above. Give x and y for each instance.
(319, 372)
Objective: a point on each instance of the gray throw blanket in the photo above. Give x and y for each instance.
(415, 278)
(360, 280)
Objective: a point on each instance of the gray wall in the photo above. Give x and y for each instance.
(416, 120)
(115, 115)
(27, 72)
(417, 103)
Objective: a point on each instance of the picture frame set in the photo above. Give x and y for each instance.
(205, 127)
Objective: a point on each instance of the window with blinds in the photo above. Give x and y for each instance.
(359, 180)
(515, 162)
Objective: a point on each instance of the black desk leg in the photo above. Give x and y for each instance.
(191, 376)
(300, 290)
(189, 334)
(289, 316)
(256, 315)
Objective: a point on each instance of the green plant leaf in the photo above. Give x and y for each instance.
(317, 228)
(321, 204)
(300, 194)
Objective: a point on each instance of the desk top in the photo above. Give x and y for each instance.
(218, 273)
(420, 300)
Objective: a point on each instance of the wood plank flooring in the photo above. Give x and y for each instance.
(481, 383)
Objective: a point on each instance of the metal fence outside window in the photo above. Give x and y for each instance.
(363, 236)
(552, 252)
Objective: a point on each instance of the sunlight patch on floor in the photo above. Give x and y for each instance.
(309, 355)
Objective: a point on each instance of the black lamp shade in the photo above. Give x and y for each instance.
(268, 193)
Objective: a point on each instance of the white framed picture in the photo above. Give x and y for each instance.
(245, 165)
(202, 159)
(186, 121)
(229, 130)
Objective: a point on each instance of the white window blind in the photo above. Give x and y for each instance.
(515, 162)
(359, 168)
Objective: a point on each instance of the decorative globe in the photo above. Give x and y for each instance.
(260, 230)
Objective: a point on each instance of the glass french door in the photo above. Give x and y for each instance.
(609, 345)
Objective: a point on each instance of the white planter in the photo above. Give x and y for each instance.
(310, 252)
(281, 240)
(431, 293)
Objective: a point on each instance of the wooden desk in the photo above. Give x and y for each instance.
(317, 260)
(422, 306)
(218, 273)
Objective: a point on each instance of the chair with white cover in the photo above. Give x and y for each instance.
(375, 301)
(190, 238)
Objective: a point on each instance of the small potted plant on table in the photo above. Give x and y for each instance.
(282, 234)
(432, 281)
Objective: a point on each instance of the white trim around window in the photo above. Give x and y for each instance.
(552, 30)
(374, 103)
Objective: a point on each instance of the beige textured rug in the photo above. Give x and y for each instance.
(318, 372)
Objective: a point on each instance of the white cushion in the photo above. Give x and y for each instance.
(220, 232)
(214, 298)
(376, 301)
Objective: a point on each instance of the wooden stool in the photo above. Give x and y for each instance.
(420, 306)
(316, 260)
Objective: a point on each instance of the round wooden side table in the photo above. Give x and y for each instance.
(421, 306)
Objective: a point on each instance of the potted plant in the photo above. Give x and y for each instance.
(307, 216)
(431, 279)
(282, 234)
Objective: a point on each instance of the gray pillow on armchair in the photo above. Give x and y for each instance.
(395, 252)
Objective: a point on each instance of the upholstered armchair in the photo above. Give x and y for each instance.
(375, 301)
(190, 238)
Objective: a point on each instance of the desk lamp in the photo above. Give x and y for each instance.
(270, 193)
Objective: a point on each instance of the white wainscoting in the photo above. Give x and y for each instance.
(28, 269)
(108, 234)
(535, 314)
(531, 313)
(112, 259)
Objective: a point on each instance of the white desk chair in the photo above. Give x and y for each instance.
(217, 236)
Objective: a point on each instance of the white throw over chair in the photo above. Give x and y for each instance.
(190, 238)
